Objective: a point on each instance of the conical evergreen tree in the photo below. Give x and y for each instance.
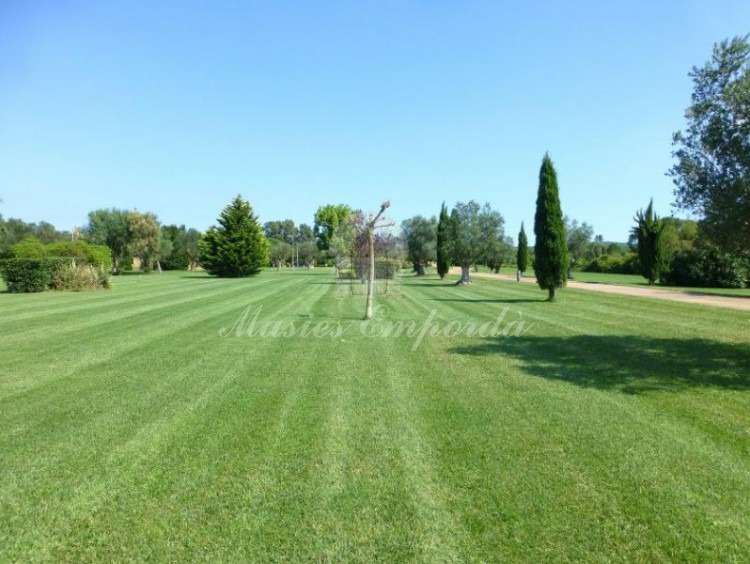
(522, 255)
(649, 231)
(237, 247)
(443, 241)
(550, 248)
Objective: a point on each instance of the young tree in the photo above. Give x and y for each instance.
(522, 255)
(368, 225)
(144, 238)
(465, 234)
(279, 252)
(421, 237)
(327, 219)
(712, 174)
(443, 242)
(192, 249)
(492, 247)
(237, 247)
(578, 239)
(550, 249)
(109, 227)
(649, 232)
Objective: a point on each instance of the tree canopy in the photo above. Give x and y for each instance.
(421, 241)
(712, 173)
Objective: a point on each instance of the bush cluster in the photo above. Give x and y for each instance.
(707, 268)
(614, 264)
(29, 274)
(23, 275)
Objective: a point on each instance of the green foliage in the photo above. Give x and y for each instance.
(620, 263)
(443, 242)
(707, 267)
(421, 241)
(494, 249)
(110, 228)
(80, 277)
(281, 230)
(237, 247)
(327, 220)
(712, 174)
(82, 252)
(649, 233)
(522, 253)
(30, 247)
(29, 274)
(579, 241)
(144, 238)
(279, 252)
(550, 248)
(182, 251)
(386, 268)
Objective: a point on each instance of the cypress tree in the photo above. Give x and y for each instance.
(443, 240)
(649, 230)
(550, 248)
(522, 256)
(237, 247)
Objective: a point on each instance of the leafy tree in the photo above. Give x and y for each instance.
(421, 241)
(144, 238)
(109, 227)
(578, 239)
(327, 219)
(493, 248)
(550, 248)
(649, 233)
(465, 237)
(307, 252)
(305, 234)
(281, 230)
(237, 247)
(443, 242)
(192, 248)
(712, 174)
(522, 254)
(279, 252)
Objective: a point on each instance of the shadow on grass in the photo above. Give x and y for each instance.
(489, 300)
(444, 284)
(629, 364)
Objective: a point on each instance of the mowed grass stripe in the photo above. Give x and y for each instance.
(151, 424)
(552, 446)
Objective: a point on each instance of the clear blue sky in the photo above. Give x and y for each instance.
(174, 107)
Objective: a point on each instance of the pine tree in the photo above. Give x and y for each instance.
(649, 230)
(237, 247)
(443, 236)
(522, 256)
(550, 248)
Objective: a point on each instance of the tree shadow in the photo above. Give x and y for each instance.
(625, 363)
(489, 300)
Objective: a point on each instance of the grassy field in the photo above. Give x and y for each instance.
(137, 425)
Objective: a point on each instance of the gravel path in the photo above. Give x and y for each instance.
(732, 302)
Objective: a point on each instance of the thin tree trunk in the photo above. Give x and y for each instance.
(371, 278)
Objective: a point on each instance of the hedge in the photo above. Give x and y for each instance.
(29, 274)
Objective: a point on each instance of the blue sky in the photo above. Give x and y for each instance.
(175, 107)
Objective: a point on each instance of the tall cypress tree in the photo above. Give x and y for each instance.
(550, 248)
(522, 256)
(649, 230)
(237, 247)
(443, 240)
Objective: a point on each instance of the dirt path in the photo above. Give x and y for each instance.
(731, 302)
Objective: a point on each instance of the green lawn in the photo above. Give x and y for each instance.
(614, 429)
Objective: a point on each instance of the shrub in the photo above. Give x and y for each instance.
(707, 268)
(346, 273)
(80, 277)
(622, 264)
(29, 274)
(29, 248)
(82, 252)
